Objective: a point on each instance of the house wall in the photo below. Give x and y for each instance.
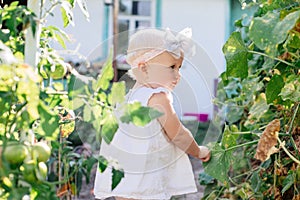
(209, 21)
(86, 35)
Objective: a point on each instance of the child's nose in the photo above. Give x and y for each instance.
(178, 74)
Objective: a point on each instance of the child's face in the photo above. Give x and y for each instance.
(163, 71)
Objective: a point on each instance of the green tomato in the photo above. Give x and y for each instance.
(41, 151)
(41, 171)
(15, 153)
(28, 169)
(58, 72)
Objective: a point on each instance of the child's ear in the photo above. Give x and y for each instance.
(142, 66)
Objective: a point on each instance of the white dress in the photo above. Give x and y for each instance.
(154, 167)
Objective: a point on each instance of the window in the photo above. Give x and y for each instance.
(137, 13)
(133, 15)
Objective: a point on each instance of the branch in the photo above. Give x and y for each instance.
(50, 10)
(241, 145)
(263, 54)
(282, 145)
(293, 119)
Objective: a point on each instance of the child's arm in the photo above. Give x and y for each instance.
(176, 132)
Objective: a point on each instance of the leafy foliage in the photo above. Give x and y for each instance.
(236, 56)
(261, 83)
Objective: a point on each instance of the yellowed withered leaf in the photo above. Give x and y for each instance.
(268, 140)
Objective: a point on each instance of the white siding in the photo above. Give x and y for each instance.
(85, 35)
(209, 20)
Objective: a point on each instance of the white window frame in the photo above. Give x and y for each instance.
(135, 18)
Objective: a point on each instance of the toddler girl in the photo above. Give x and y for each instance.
(154, 157)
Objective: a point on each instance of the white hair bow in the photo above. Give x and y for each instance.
(182, 42)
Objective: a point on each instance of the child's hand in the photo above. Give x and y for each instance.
(204, 154)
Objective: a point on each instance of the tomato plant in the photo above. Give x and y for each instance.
(41, 108)
(258, 156)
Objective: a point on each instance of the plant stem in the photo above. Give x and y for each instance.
(220, 192)
(59, 158)
(247, 173)
(50, 10)
(287, 151)
(241, 145)
(290, 130)
(274, 178)
(232, 181)
(293, 119)
(266, 55)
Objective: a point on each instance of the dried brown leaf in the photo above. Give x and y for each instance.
(268, 140)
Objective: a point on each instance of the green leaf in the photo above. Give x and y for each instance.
(103, 97)
(72, 2)
(205, 179)
(250, 87)
(274, 88)
(30, 91)
(290, 92)
(219, 164)
(236, 53)
(291, 89)
(233, 88)
(228, 139)
(117, 94)
(259, 107)
(282, 28)
(109, 127)
(117, 175)
(106, 75)
(83, 7)
(77, 85)
(97, 126)
(76, 103)
(97, 111)
(59, 35)
(67, 14)
(102, 164)
(87, 113)
(49, 122)
(262, 25)
(293, 40)
(234, 112)
(58, 86)
(277, 30)
(58, 70)
(139, 115)
(4, 36)
(256, 181)
(288, 181)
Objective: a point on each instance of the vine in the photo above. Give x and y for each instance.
(260, 90)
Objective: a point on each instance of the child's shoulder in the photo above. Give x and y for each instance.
(160, 98)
